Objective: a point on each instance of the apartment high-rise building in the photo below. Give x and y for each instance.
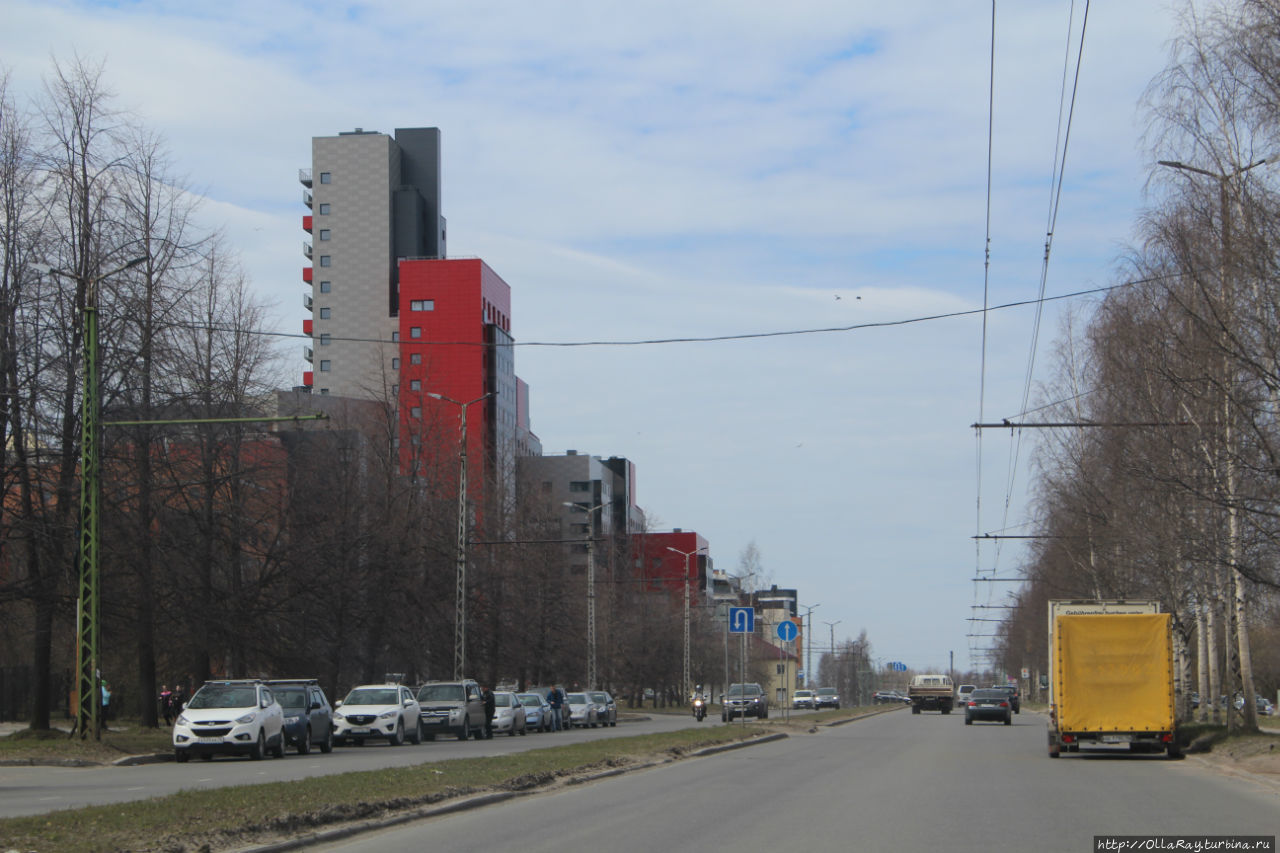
(392, 318)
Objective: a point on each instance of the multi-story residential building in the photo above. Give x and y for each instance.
(661, 557)
(394, 320)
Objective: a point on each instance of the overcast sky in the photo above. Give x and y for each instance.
(647, 171)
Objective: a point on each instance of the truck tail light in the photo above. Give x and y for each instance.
(1068, 738)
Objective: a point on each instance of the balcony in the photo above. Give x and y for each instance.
(304, 177)
(307, 301)
(306, 224)
(306, 274)
(306, 249)
(308, 354)
(308, 378)
(306, 198)
(306, 327)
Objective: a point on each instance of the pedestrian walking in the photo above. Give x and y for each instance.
(106, 704)
(490, 705)
(166, 704)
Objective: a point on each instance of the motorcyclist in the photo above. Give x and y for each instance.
(699, 702)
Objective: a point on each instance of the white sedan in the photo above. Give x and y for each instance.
(582, 711)
(508, 714)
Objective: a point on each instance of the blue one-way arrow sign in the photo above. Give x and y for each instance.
(742, 620)
(787, 631)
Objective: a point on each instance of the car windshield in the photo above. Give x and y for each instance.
(372, 696)
(440, 693)
(600, 697)
(804, 693)
(224, 697)
(743, 690)
(294, 699)
(576, 699)
(531, 699)
(826, 691)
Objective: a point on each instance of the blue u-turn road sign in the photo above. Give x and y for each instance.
(787, 631)
(742, 620)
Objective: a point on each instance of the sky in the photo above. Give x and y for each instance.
(663, 170)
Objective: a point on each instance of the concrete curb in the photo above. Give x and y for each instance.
(477, 802)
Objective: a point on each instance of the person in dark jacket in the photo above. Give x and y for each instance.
(489, 707)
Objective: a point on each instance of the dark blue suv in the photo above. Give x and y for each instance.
(308, 716)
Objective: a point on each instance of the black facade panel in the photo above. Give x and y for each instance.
(420, 169)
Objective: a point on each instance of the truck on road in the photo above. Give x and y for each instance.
(1111, 677)
(931, 693)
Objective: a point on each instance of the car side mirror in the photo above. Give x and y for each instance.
(338, 704)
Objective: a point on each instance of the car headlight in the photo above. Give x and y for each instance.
(246, 719)
(386, 715)
(182, 720)
(338, 717)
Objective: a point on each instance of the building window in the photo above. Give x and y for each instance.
(326, 261)
(326, 286)
(326, 177)
(415, 412)
(415, 358)
(395, 390)
(324, 210)
(578, 549)
(415, 384)
(576, 485)
(324, 233)
(415, 331)
(395, 336)
(324, 339)
(324, 313)
(395, 364)
(419, 304)
(546, 487)
(324, 392)
(324, 365)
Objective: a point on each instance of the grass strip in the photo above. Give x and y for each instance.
(221, 818)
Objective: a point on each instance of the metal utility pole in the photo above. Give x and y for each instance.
(808, 644)
(591, 592)
(831, 626)
(460, 591)
(684, 687)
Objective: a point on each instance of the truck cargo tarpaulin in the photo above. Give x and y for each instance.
(1117, 673)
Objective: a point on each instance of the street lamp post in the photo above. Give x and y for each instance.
(808, 645)
(460, 595)
(831, 626)
(686, 555)
(1229, 470)
(88, 694)
(591, 593)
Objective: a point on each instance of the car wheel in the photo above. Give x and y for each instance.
(326, 746)
(278, 749)
(465, 731)
(259, 748)
(915, 709)
(397, 739)
(968, 721)
(304, 745)
(1008, 720)
(181, 756)
(416, 737)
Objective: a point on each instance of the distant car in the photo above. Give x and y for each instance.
(582, 711)
(383, 711)
(606, 708)
(989, 704)
(962, 693)
(508, 714)
(887, 697)
(826, 697)
(236, 717)
(802, 699)
(451, 707)
(308, 716)
(745, 700)
(1014, 700)
(537, 711)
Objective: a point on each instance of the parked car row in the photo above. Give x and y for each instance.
(253, 717)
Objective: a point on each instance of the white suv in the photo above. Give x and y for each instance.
(377, 711)
(230, 717)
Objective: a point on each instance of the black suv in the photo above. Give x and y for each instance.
(308, 716)
(1015, 702)
(745, 700)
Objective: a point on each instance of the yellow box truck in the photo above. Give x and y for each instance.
(1111, 678)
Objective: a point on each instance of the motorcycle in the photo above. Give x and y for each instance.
(699, 709)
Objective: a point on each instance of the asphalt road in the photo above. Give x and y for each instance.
(35, 790)
(893, 782)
